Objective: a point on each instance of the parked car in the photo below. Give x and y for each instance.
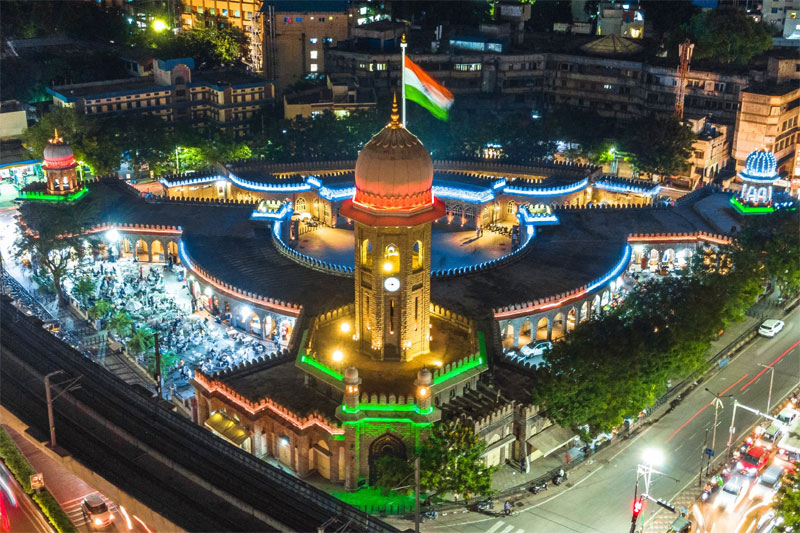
(770, 328)
(768, 483)
(96, 511)
(730, 495)
(535, 348)
(753, 460)
(770, 434)
(787, 415)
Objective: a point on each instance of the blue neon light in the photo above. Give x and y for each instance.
(552, 191)
(314, 181)
(621, 188)
(475, 197)
(499, 184)
(616, 271)
(280, 214)
(184, 256)
(337, 194)
(274, 187)
(190, 181)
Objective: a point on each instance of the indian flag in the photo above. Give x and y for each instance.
(426, 91)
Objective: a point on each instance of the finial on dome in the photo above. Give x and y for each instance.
(403, 38)
(395, 114)
(56, 139)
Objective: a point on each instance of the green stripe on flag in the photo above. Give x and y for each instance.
(415, 95)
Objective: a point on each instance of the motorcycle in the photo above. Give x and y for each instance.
(430, 515)
(485, 505)
(560, 477)
(540, 487)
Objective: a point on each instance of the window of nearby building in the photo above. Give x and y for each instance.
(187, 8)
(212, 11)
(607, 86)
(298, 19)
(467, 67)
(200, 10)
(313, 54)
(287, 19)
(248, 15)
(313, 67)
(237, 13)
(328, 40)
(313, 40)
(224, 12)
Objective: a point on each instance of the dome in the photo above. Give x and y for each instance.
(394, 180)
(351, 375)
(58, 154)
(394, 170)
(760, 165)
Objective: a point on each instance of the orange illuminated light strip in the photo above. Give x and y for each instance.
(549, 305)
(678, 238)
(165, 231)
(214, 387)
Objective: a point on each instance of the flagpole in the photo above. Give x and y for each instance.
(403, 46)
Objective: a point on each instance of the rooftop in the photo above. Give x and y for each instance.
(124, 85)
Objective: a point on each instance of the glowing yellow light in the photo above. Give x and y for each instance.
(338, 355)
(387, 266)
(423, 392)
(345, 327)
(159, 25)
(437, 363)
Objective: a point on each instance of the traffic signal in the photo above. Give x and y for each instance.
(638, 504)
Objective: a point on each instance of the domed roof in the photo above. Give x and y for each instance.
(394, 180)
(394, 170)
(760, 165)
(58, 154)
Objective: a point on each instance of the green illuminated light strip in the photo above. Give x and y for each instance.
(460, 370)
(386, 420)
(319, 366)
(404, 407)
(749, 209)
(77, 195)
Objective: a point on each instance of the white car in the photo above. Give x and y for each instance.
(770, 328)
(536, 348)
(96, 511)
(731, 494)
(768, 484)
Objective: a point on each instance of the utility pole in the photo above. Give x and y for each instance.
(771, 379)
(158, 367)
(416, 494)
(717, 401)
(71, 385)
(703, 458)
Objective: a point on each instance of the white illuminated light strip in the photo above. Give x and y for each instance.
(443, 191)
(555, 191)
(628, 188)
(203, 179)
(272, 215)
(337, 194)
(253, 186)
(313, 180)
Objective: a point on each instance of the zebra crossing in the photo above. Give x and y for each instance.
(502, 527)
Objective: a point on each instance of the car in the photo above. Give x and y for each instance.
(753, 460)
(730, 495)
(532, 349)
(770, 328)
(770, 434)
(768, 483)
(787, 415)
(96, 511)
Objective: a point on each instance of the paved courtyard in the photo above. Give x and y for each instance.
(450, 249)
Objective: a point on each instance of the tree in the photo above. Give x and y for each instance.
(788, 503)
(727, 36)
(121, 323)
(658, 144)
(142, 341)
(451, 460)
(774, 244)
(100, 309)
(53, 240)
(84, 288)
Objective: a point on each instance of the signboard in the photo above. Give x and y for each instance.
(709, 452)
(37, 481)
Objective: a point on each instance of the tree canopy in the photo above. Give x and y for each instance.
(727, 36)
(788, 503)
(658, 144)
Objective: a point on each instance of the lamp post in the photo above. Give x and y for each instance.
(717, 401)
(771, 379)
(71, 386)
(645, 471)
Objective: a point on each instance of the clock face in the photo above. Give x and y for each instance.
(391, 284)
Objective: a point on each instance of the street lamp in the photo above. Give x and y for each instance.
(650, 458)
(71, 385)
(717, 401)
(771, 379)
(159, 25)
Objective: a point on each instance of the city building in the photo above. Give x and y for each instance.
(711, 153)
(59, 167)
(174, 92)
(296, 35)
(241, 14)
(791, 25)
(340, 95)
(625, 20)
(769, 120)
(13, 119)
(775, 12)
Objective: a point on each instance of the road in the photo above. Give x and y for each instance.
(599, 496)
(22, 513)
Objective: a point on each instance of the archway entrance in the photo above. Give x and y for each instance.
(387, 445)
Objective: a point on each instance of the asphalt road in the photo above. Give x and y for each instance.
(599, 496)
(21, 512)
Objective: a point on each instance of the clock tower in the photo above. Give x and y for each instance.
(393, 209)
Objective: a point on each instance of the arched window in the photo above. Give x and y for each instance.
(391, 259)
(300, 205)
(457, 210)
(511, 207)
(416, 255)
(179, 80)
(366, 253)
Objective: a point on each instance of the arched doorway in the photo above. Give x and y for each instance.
(254, 325)
(541, 329)
(172, 251)
(525, 333)
(572, 319)
(157, 250)
(387, 445)
(585, 311)
(141, 251)
(125, 248)
(558, 327)
(508, 340)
